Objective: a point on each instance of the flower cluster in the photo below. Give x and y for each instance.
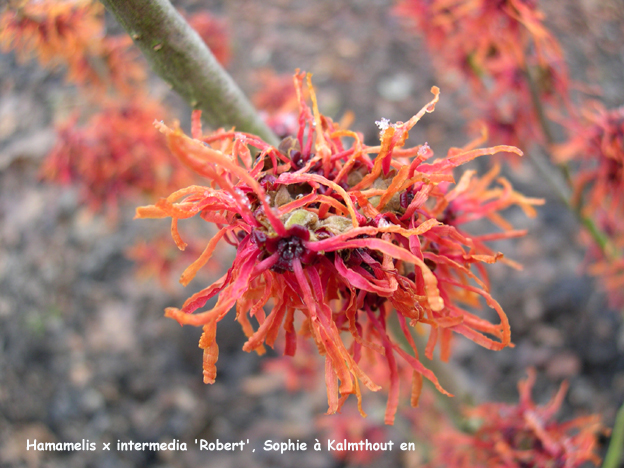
(517, 436)
(493, 45)
(517, 77)
(338, 240)
(115, 155)
(596, 145)
(71, 33)
(595, 149)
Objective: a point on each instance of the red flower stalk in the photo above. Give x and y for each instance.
(340, 240)
(518, 436)
(70, 33)
(493, 44)
(115, 155)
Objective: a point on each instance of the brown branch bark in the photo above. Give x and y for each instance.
(177, 53)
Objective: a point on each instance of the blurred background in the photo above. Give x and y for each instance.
(85, 351)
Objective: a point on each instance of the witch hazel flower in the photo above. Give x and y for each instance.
(350, 427)
(520, 435)
(350, 245)
(595, 149)
(56, 32)
(114, 156)
(491, 45)
(71, 34)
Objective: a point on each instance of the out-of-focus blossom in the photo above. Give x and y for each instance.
(517, 77)
(427, 419)
(608, 265)
(611, 274)
(348, 427)
(276, 99)
(161, 259)
(351, 243)
(115, 155)
(214, 32)
(492, 45)
(519, 436)
(122, 68)
(299, 372)
(596, 145)
(70, 33)
(51, 30)
(595, 151)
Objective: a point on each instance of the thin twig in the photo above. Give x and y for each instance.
(562, 189)
(177, 53)
(616, 446)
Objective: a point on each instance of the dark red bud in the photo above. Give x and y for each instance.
(406, 198)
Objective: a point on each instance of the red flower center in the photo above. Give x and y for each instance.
(288, 248)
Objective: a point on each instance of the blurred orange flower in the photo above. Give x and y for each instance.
(215, 34)
(493, 45)
(596, 145)
(276, 99)
(348, 426)
(70, 33)
(595, 151)
(117, 154)
(518, 436)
